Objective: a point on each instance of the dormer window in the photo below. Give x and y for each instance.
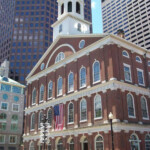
(78, 7)
(60, 57)
(79, 27)
(69, 6)
(138, 59)
(60, 28)
(62, 9)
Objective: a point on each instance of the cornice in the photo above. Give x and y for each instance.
(117, 127)
(102, 87)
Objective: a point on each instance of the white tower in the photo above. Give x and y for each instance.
(70, 19)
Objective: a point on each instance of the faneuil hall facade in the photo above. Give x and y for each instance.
(90, 75)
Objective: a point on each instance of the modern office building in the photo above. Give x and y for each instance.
(79, 80)
(133, 16)
(32, 34)
(11, 111)
(7, 8)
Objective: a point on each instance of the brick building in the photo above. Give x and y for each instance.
(91, 76)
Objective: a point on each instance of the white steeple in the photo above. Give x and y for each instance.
(70, 18)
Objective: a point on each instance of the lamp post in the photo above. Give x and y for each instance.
(44, 131)
(112, 136)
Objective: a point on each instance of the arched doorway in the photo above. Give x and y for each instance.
(84, 143)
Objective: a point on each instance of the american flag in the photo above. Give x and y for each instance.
(58, 116)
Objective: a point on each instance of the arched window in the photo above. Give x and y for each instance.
(134, 142)
(147, 142)
(70, 113)
(32, 121)
(78, 7)
(125, 54)
(40, 119)
(60, 145)
(41, 93)
(3, 117)
(99, 143)
(138, 59)
(96, 71)
(62, 8)
(31, 146)
(144, 108)
(97, 107)
(59, 86)
(34, 96)
(69, 6)
(82, 77)
(60, 28)
(130, 103)
(71, 145)
(50, 89)
(70, 82)
(60, 57)
(50, 118)
(79, 27)
(83, 110)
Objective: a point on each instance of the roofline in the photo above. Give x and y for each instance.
(110, 39)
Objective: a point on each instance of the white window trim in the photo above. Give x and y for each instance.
(52, 116)
(80, 111)
(69, 91)
(31, 122)
(4, 139)
(133, 107)
(142, 75)
(40, 101)
(139, 59)
(32, 97)
(146, 109)
(68, 113)
(95, 118)
(80, 77)
(126, 65)
(39, 120)
(96, 138)
(99, 72)
(18, 107)
(48, 90)
(7, 106)
(125, 55)
(15, 139)
(61, 88)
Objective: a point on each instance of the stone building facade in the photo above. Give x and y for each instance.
(91, 76)
(11, 111)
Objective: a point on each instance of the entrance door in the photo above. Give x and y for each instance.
(85, 146)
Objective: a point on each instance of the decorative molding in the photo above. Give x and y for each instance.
(112, 85)
(117, 127)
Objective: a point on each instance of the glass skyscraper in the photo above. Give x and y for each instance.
(32, 34)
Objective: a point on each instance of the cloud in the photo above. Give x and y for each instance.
(93, 4)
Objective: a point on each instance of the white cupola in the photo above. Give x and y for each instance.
(70, 19)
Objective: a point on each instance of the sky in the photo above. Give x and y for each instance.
(97, 16)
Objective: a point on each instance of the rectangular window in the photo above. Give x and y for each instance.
(15, 107)
(127, 73)
(12, 139)
(140, 76)
(4, 106)
(2, 139)
(14, 127)
(3, 126)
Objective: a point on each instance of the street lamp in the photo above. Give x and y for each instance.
(112, 136)
(44, 130)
